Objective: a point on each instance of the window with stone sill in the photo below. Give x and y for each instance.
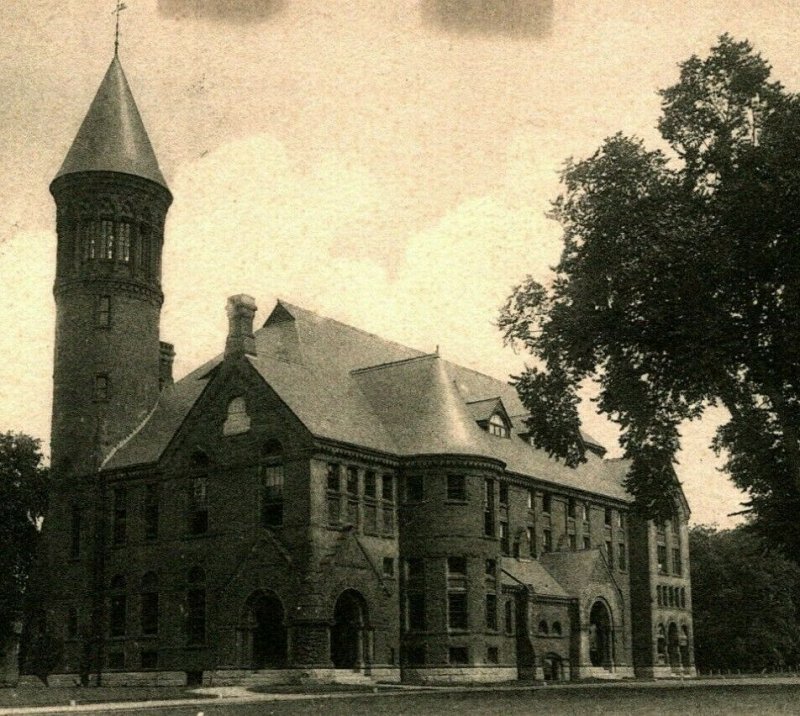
(491, 611)
(457, 616)
(458, 655)
(102, 388)
(272, 474)
(103, 312)
(457, 488)
(388, 566)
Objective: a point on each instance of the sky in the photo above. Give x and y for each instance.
(388, 163)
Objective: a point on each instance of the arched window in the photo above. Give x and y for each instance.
(149, 604)
(237, 420)
(118, 603)
(661, 644)
(196, 606)
(271, 473)
(557, 628)
(543, 627)
(498, 426)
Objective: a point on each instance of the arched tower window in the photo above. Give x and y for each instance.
(271, 474)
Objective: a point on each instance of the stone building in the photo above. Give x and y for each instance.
(315, 501)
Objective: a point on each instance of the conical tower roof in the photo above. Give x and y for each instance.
(112, 137)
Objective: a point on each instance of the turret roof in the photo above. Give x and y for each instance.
(112, 136)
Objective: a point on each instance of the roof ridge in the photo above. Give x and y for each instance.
(354, 328)
(393, 362)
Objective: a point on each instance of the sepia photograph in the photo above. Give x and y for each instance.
(399, 356)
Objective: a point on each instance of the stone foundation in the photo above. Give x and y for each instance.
(666, 672)
(600, 672)
(459, 674)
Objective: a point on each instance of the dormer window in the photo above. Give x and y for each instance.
(498, 426)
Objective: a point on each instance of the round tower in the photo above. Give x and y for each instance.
(111, 201)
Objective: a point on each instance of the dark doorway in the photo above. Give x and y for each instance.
(526, 657)
(348, 631)
(267, 631)
(600, 635)
(553, 668)
(673, 645)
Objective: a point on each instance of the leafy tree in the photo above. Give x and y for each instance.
(679, 288)
(745, 602)
(23, 499)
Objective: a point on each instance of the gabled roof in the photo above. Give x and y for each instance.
(575, 570)
(112, 136)
(532, 574)
(354, 387)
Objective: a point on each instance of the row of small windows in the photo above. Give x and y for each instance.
(118, 604)
(674, 566)
(667, 596)
(546, 630)
(361, 498)
(119, 241)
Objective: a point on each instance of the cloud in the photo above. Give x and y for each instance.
(522, 18)
(232, 11)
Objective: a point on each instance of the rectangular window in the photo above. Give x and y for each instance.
(571, 508)
(505, 546)
(151, 511)
(387, 488)
(416, 611)
(118, 615)
(75, 533)
(675, 527)
(120, 521)
(124, 242)
(585, 513)
(621, 557)
(352, 481)
(101, 387)
(547, 541)
(388, 519)
(198, 506)
(333, 478)
(504, 494)
(547, 503)
(272, 477)
(370, 485)
(610, 554)
(573, 542)
(370, 518)
(677, 564)
(416, 655)
(458, 655)
(116, 660)
(457, 488)
(457, 617)
(488, 507)
(149, 613)
(415, 569)
(661, 551)
(491, 568)
(491, 611)
(530, 499)
(103, 311)
(492, 655)
(608, 516)
(388, 566)
(457, 566)
(107, 239)
(587, 542)
(415, 488)
(531, 541)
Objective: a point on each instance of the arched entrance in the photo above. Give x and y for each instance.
(600, 635)
(684, 643)
(264, 631)
(348, 633)
(673, 647)
(553, 667)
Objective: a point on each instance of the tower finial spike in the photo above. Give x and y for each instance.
(120, 7)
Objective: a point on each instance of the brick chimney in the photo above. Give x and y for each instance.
(166, 357)
(241, 311)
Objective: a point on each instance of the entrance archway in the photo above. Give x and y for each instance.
(553, 667)
(600, 635)
(265, 631)
(673, 646)
(348, 633)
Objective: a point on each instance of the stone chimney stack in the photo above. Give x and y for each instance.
(166, 358)
(241, 311)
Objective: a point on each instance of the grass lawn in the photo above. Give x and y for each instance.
(55, 696)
